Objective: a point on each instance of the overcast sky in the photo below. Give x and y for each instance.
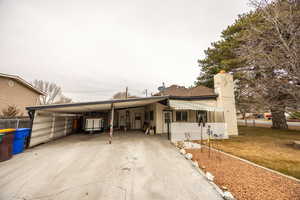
(94, 48)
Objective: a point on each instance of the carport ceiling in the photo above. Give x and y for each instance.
(98, 106)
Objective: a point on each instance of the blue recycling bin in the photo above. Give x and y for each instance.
(19, 139)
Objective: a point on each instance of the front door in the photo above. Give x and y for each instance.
(138, 121)
(167, 119)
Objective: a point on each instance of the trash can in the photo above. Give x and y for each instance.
(19, 140)
(6, 146)
(1, 135)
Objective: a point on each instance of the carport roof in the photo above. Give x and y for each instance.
(97, 105)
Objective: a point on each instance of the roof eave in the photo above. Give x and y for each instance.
(204, 97)
(22, 81)
(41, 107)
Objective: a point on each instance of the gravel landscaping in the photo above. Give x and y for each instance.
(246, 181)
(267, 147)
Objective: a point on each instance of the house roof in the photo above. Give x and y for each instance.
(23, 82)
(181, 91)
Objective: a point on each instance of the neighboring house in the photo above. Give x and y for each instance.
(181, 91)
(15, 91)
(174, 111)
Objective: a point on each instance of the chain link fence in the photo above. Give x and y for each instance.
(15, 123)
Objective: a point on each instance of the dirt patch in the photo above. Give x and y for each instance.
(246, 181)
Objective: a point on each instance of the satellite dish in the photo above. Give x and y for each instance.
(162, 88)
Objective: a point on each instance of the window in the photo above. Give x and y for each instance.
(146, 116)
(151, 115)
(137, 116)
(181, 116)
(203, 114)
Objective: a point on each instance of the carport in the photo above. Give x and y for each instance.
(51, 122)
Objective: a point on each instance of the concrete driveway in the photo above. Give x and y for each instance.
(135, 166)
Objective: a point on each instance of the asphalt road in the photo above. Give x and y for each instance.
(134, 167)
(264, 123)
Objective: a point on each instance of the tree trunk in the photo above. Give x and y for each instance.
(278, 118)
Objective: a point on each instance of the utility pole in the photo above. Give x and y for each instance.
(126, 93)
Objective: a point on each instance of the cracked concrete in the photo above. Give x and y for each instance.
(134, 167)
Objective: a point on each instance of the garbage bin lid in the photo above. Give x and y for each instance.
(22, 129)
(8, 130)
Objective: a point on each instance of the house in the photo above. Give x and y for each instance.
(174, 113)
(15, 91)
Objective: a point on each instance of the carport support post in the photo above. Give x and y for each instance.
(111, 123)
(52, 126)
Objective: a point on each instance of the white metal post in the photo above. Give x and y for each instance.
(66, 126)
(111, 123)
(18, 121)
(52, 127)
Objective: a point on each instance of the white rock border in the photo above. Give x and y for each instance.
(224, 194)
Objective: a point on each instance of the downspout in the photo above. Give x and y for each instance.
(31, 114)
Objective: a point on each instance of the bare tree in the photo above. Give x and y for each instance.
(64, 99)
(11, 111)
(271, 48)
(53, 92)
(247, 101)
(122, 95)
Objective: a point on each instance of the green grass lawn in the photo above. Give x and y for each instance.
(267, 147)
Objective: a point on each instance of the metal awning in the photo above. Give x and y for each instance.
(74, 108)
(189, 105)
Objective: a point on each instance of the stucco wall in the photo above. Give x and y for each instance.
(16, 94)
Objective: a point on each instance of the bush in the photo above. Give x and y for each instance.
(11, 111)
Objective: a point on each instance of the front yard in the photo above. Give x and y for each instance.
(267, 147)
(264, 146)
